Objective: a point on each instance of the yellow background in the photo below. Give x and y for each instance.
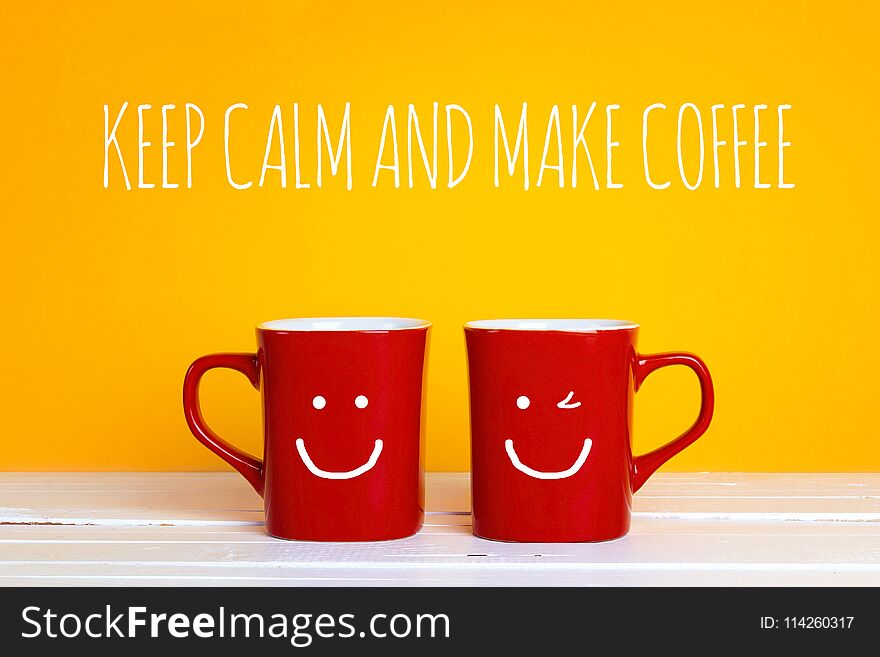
(109, 294)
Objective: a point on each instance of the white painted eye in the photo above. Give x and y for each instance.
(319, 402)
(361, 401)
(523, 402)
(567, 403)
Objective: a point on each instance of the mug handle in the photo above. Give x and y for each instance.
(645, 465)
(250, 467)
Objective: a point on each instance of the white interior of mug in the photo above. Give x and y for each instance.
(344, 324)
(576, 325)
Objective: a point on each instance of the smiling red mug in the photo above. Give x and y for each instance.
(342, 422)
(551, 426)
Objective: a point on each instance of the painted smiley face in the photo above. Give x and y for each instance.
(523, 403)
(319, 403)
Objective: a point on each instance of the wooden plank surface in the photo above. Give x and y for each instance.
(206, 529)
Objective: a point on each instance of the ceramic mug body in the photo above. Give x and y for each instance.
(551, 427)
(343, 430)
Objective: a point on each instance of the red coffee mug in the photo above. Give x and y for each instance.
(342, 421)
(551, 427)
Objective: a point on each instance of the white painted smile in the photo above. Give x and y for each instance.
(537, 474)
(325, 474)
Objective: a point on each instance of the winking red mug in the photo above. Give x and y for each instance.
(551, 404)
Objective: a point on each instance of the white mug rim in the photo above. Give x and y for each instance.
(343, 324)
(564, 325)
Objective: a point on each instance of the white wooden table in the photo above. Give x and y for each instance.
(207, 529)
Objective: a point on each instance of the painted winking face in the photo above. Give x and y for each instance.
(565, 405)
(319, 403)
